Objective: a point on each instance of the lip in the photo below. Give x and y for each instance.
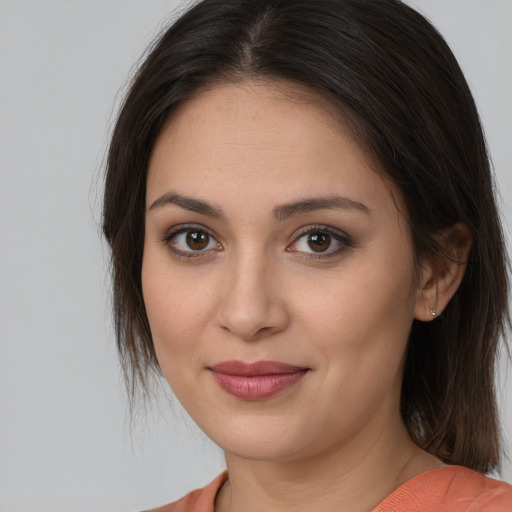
(256, 381)
(257, 368)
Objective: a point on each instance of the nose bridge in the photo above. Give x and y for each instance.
(251, 305)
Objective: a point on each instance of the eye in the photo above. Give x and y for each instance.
(317, 242)
(190, 242)
(320, 242)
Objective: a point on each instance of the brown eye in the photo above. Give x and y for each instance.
(191, 242)
(197, 240)
(319, 242)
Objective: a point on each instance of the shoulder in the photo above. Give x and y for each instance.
(200, 500)
(453, 488)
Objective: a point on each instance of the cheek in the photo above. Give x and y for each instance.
(357, 301)
(361, 317)
(176, 310)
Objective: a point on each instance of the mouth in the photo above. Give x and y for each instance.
(256, 381)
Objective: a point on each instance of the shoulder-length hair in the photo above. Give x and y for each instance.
(394, 83)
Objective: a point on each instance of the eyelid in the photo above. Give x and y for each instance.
(340, 236)
(183, 228)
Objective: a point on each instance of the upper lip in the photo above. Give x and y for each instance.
(257, 368)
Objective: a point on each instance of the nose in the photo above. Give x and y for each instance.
(252, 304)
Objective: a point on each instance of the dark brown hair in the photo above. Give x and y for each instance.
(401, 93)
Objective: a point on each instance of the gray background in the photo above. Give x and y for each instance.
(65, 440)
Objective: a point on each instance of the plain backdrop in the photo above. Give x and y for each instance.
(65, 440)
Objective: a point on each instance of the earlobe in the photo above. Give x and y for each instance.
(443, 274)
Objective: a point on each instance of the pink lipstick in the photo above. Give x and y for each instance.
(256, 381)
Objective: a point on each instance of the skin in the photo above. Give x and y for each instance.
(334, 440)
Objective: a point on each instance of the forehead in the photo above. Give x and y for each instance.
(254, 93)
(261, 137)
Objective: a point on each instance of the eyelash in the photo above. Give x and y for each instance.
(343, 239)
(187, 255)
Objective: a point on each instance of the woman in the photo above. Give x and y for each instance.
(305, 243)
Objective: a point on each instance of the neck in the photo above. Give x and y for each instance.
(356, 476)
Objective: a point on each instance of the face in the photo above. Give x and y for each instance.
(269, 238)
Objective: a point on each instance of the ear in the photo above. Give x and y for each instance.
(442, 274)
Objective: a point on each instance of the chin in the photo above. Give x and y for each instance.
(259, 450)
(261, 442)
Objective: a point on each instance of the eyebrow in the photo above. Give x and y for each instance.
(189, 203)
(279, 213)
(332, 202)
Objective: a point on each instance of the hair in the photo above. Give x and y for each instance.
(400, 92)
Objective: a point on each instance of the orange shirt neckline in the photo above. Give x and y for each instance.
(449, 488)
(413, 485)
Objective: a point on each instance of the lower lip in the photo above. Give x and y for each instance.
(257, 387)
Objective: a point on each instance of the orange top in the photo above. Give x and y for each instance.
(447, 489)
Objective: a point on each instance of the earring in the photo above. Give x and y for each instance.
(433, 310)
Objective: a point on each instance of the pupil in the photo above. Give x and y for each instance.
(197, 240)
(319, 242)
